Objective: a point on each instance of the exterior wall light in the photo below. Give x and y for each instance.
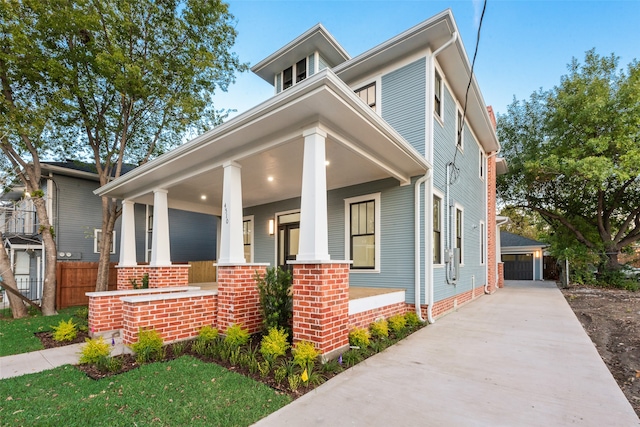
(272, 227)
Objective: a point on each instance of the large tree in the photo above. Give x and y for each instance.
(574, 155)
(135, 77)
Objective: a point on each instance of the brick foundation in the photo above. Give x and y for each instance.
(175, 316)
(364, 319)
(447, 305)
(105, 308)
(321, 305)
(159, 277)
(238, 297)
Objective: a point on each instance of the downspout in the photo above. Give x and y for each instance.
(417, 240)
(495, 153)
(429, 194)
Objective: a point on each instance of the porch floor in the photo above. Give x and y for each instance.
(354, 292)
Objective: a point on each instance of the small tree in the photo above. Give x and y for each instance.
(276, 301)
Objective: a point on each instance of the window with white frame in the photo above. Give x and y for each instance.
(97, 239)
(362, 232)
(459, 130)
(437, 95)
(368, 95)
(483, 164)
(437, 229)
(292, 75)
(482, 243)
(247, 235)
(459, 232)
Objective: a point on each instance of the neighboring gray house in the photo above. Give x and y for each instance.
(523, 258)
(368, 159)
(76, 215)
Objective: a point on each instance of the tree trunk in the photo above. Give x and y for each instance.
(612, 259)
(18, 309)
(49, 284)
(109, 215)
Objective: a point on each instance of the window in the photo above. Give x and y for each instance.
(459, 233)
(247, 234)
(437, 230)
(483, 163)
(482, 243)
(459, 130)
(149, 232)
(287, 78)
(362, 232)
(437, 91)
(97, 237)
(301, 70)
(368, 95)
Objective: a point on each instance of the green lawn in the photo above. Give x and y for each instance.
(181, 392)
(16, 336)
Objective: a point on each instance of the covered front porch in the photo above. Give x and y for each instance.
(302, 143)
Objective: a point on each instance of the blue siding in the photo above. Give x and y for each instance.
(403, 102)
(468, 192)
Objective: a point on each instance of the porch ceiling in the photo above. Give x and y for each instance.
(267, 142)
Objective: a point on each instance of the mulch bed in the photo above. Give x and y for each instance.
(48, 342)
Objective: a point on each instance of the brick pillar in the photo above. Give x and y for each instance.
(127, 274)
(491, 224)
(166, 276)
(238, 297)
(501, 275)
(321, 306)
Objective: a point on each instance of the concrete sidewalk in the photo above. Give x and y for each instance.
(42, 360)
(516, 358)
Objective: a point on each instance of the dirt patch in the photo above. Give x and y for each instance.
(48, 342)
(611, 317)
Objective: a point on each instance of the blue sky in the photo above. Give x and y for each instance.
(524, 45)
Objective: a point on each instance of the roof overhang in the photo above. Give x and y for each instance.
(432, 34)
(501, 166)
(316, 39)
(267, 142)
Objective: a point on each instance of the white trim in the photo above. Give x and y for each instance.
(459, 114)
(95, 241)
(347, 229)
(377, 81)
(438, 194)
(482, 164)
(361, 305)
(276, 217)
(431, 90)
(457, 208)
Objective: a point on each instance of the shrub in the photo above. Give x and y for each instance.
(65, 331)
(82, 313)
(412, 320)
(359, 337)
(236, 336)
(276, 301)
(274, 344)
(397, 323)
(109, 364)
(179, 348)
(94, 350)
(379, 328)
(149, 346)
(305, 355)
(207, 334)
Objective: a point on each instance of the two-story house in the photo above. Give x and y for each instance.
(76, 215)
(372, 162)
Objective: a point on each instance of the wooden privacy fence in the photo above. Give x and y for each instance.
(74, 279)
(202, 271)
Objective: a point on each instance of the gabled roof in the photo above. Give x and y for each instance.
(315, 39)
(510, 240)
(72, 167)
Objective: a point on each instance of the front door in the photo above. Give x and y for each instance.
(288, 238)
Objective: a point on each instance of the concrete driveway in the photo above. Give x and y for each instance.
(516, 358)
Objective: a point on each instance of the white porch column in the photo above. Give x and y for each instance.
(160, 247)
(128, 235)
(314, 238)
(231, 241)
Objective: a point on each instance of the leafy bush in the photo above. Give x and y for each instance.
(94, 350)
(359, 337)
(82, 313)
(379, 329)
(411, 319)
(305, 355)
(109, 364)
(65, 331)
(149, 346)
(274, 344)
(207, 334)
(236, 336)
(617, 279)
(179, 348)
(397, 323)
(276, 301)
